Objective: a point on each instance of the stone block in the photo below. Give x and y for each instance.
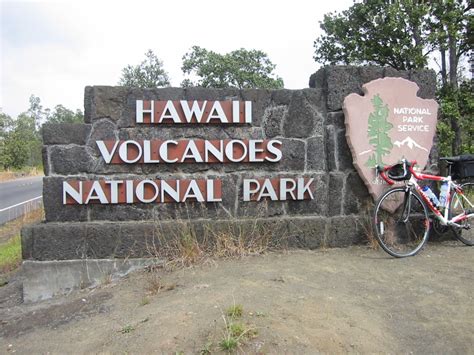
(53, 241)
(336, 119)
(317, 99)
(293, 155)
(282, 97)
(316, 206)
(45, 158)
(343, 80)
(211, 94)
(102, 240)
(391, 72)
(65, 133)
(306, 232)
(356, 194)
(339, 153)
(53, 205)
(105, 102)
(301, 119)
(70, 159)
(121, 212)
(273, 120)
(260, 99)
(344, 155)
(426, 80)
(316, 154)
(335, 193)
(343, 231)
(318, 79)
(331, 146)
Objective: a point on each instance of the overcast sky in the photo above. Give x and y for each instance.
(53, 49)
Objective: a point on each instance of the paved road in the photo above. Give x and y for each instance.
(20, 196)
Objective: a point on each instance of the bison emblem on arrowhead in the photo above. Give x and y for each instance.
(388, 123)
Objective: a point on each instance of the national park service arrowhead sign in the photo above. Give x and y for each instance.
(387, 124)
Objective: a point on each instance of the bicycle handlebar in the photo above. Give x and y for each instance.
(407, 165)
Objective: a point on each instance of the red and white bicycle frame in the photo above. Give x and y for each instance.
(413, 181)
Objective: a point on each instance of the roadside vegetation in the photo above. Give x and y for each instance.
(10, 241)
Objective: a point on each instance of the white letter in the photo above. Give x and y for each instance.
(229, 151)
(267, 185)
(219, 113)
(114, 190)
(129, 184)
(100, 195)
(140, 111)
(253, 150)
(69, 190)
(196, 193)
(195, 110)
(173, 114)
(191, 147)
(147, 153)
(248, 111)
(302, 188)
(236, 111)
(141, 191)
(210, 192)
(105, 152)
(123, 152)
(164, 152)
(218, 153)
(274, 150)
(247, 191)
(174, 194)
(284, 189)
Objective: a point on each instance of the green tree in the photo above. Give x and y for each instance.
(386, 33)
(240, 69)
(21, 144)
(456, 105)
(6, 124)
(61, 114)
(148, 74)
(378, 132)
(402, 34)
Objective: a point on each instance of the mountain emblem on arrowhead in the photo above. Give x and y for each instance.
(387, 123)
(410, 143)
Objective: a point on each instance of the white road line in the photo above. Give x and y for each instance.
(21, 203)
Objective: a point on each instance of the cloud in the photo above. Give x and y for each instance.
(29, 24)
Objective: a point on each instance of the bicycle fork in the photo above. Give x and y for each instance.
(405, 215)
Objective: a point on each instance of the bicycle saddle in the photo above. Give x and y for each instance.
(464, 157)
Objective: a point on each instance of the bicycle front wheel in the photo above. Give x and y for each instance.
(463, 204)
(401, 222)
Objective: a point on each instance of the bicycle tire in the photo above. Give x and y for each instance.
(458, 205)
(399, 233)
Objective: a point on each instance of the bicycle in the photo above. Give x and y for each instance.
(401, 217)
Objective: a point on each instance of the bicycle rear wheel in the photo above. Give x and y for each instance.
(460, 205)
(401, 222)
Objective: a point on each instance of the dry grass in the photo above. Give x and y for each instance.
(15, 174)
(13, 228)
(367, 225)
(10, 241)
(187, 243)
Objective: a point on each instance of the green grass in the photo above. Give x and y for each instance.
(10, 254)
(235, 311)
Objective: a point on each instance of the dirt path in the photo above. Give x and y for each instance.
(339, 300)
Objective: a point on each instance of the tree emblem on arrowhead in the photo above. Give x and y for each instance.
(378, 132)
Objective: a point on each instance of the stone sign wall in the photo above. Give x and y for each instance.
(309, 123)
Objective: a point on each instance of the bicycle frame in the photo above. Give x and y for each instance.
(452, 186)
